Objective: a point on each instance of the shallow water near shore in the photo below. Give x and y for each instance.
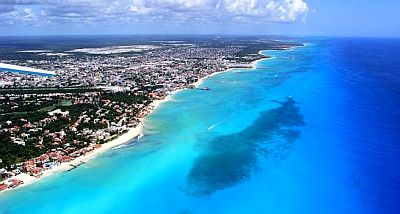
(309, 131)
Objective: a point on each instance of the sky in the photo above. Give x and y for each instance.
(364, 18)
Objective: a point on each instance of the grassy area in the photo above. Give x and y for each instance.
(60, 103)
(53, 107)
(16, 113)
(64, 103)
(47, 108)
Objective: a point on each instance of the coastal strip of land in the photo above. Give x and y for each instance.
(23, 179)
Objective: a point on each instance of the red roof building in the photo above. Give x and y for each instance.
(29, 165)
(54, 155)
(44, 158)
(3, 187)
(66, 158)
(16, 182)
(37, 171)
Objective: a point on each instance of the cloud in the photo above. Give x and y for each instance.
(119, 11)
(18, 16)
(273, 11)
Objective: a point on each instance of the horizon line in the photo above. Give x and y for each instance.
(203, 34)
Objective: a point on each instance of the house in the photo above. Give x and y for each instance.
(54, 155)
(37, 171)
(66, 158)
(16, 182)
(19, 141)
(37, 161)
(12, 183)
(58, 111)
(24, 135)
(3, 186)
(44, 158)
(29, 165)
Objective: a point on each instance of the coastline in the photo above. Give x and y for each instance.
(63, 167)
(122, 139)
(253, 66)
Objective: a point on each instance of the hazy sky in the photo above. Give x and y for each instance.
(293, 17)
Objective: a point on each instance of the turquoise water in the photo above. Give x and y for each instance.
(277, 139)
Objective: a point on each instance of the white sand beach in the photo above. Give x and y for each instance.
(122, 139)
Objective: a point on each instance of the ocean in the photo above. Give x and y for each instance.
(313, 129)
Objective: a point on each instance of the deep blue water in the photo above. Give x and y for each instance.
(369, 72)
(312, 130)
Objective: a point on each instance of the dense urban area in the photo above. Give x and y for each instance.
(98, 94)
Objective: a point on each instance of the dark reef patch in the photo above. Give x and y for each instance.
(230, 159)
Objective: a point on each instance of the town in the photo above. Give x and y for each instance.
(97, 95)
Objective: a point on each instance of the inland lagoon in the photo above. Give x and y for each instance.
(25, 70)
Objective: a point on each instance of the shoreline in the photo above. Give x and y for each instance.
(253, 66)
(120, 140)
(67, 166)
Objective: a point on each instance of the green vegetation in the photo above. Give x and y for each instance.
(56, 126)
(11, 153)
(91, 125)
(47, 90)
(254, 47)
(127, 98)
(18, 119)
(47, 108)
(29, 116)
(64, 103)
